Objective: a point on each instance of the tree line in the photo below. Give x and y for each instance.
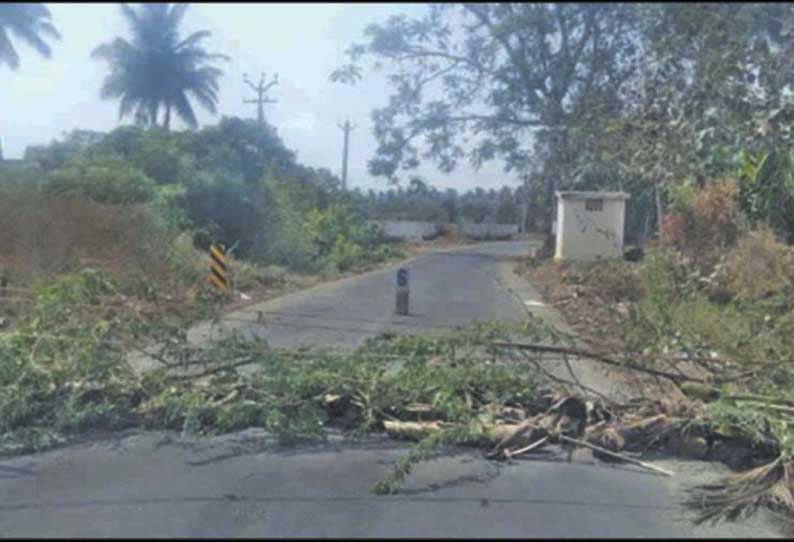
(632, 96)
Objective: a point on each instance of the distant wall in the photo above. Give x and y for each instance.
(489, 231)
(405, 230)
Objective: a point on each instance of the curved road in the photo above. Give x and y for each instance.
(144, 484)
(448, 288)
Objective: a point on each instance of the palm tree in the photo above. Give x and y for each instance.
(158, 70)
(29, 23)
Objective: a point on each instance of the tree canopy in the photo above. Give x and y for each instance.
(570, 93)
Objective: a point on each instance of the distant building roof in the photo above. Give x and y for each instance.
(574, 194)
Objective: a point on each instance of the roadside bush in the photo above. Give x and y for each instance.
(235, 211)
(106, 180)
(703, 226)
(341, 238)
(758, 266)
(248, 276)
(614, 281)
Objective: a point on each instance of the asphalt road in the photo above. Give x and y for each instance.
(154, 484)
(147, 485)
(447, 288)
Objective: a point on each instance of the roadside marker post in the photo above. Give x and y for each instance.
(219, 269)
(402, 291)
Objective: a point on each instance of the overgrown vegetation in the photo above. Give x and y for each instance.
(66, 368)
(716, 302)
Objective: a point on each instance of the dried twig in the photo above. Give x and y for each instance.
(616, 455)
(526, 449)
(603, 358)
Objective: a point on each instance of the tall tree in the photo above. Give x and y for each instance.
(506, 75)
(157, 69)
(29, 23)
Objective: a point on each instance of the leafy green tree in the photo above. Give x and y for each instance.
(29, 23)
(158, 69)
(502, 74)
(59, 153)
(231, 147)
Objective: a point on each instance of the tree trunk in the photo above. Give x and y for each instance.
(550, 242)
(659, 220)
(167, 120)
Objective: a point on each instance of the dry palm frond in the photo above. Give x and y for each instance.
(740, 495)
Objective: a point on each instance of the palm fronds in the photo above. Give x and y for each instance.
(29, 23)
(740, 495)
(155, 69)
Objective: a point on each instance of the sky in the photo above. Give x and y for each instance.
(303, 43)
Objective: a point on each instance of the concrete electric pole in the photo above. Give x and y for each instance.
(261, 88)
(346, 128)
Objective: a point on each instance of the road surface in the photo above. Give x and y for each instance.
(152, 484)
(448, 288)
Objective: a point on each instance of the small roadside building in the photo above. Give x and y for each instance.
(590, 225)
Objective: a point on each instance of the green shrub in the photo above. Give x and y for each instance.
(106, 180)
(680, 195)
(767, 190)
(341, 238)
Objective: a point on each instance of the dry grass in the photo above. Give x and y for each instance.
(759, 265)
(44, 236)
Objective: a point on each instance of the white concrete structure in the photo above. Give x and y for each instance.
(487, 230)
(590, 225)
(407, 230)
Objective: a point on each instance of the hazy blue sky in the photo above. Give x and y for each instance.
(303, 43)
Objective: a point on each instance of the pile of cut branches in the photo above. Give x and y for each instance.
(487, 385)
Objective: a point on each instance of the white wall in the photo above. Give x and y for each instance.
(489, 231)
(403, 229)
(589, 235)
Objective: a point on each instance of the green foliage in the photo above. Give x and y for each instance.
(234, 180)
(162, 156)
(65, 370)
(681, 195)
(342, 238)
(109, 180)
(767, 190)
(59, 153)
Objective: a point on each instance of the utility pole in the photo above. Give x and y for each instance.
(261, 88)
(346, 128)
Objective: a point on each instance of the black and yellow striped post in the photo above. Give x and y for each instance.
(219, 269)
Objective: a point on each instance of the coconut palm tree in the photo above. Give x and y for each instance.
(156, 69)
(29, 23)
